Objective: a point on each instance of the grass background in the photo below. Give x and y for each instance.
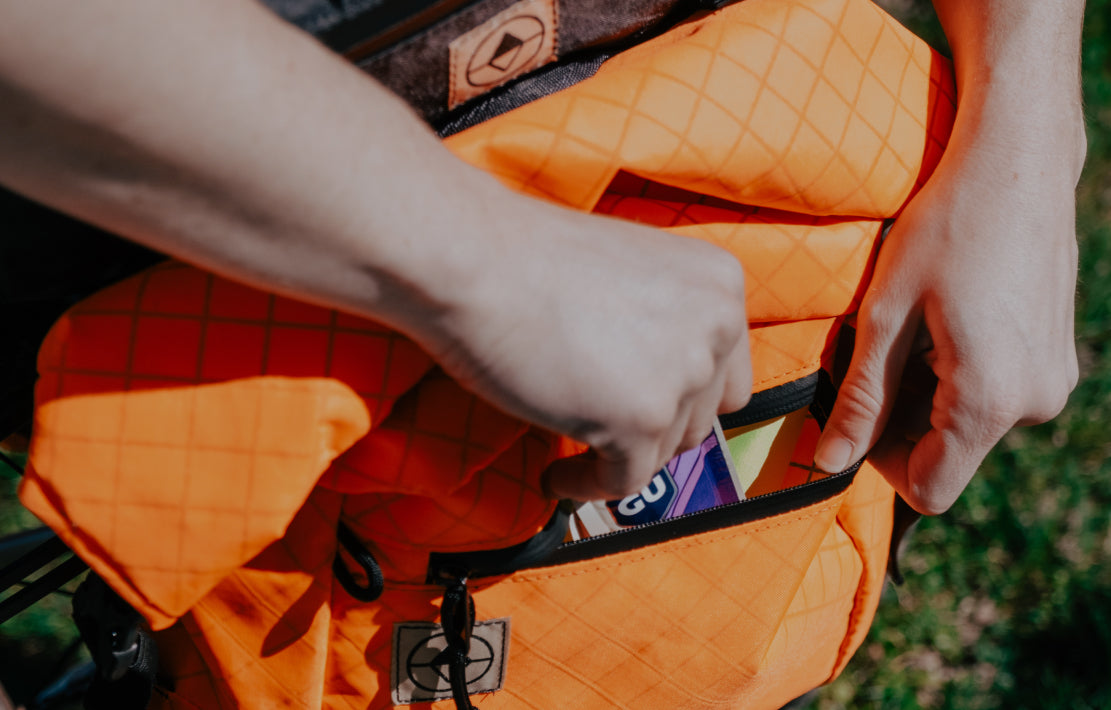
(1007, 602)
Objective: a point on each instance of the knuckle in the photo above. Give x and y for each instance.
(1046, 408)
(701, 366)
(727, 322)
(736, 398)
(858, 403)
(994, 414)
(613, 483)
(731, 275)
(993, 398)
(692, 439)
(1072, 369)
(928, 502)
(696, 433)
(1036, 404)
(880, 316)
(651, 422)
(1072, 379)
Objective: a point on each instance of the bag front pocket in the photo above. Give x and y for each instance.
(749, 615)
(743, 605)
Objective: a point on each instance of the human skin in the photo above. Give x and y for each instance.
(976, 279)
(215, 132)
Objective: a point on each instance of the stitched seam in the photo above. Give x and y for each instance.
(810, 365)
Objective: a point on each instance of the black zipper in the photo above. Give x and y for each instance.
(388, 24)
(546, 550)
(492, 563)
(744, 511)
(777, 401)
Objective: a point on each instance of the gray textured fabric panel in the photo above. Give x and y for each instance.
(405, 43)
(313, 16)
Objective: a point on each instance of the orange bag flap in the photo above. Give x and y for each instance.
(764, 103)
(166, 491)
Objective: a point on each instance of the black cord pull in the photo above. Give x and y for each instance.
(375, 583)
(457, 615)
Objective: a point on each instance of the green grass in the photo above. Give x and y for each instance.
(33, 644)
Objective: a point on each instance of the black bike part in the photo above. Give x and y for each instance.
(125, 655)
(44, 585)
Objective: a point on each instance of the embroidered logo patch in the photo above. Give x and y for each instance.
(518, 39)
(418, 675)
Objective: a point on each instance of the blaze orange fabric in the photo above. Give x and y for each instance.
(196, 441)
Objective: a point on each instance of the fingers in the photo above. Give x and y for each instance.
(930, 462)
(737, 389)
(867, 395)
(616, 470)
(931, 474)
(729, 391)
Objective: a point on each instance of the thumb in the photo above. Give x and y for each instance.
(865, 398)
(592, 475)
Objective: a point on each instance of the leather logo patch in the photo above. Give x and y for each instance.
(419, 674)
(515, 41)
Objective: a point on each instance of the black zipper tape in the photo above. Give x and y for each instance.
(744, 511)
(777, 401)
(491, 563)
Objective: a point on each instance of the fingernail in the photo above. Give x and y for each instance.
(834, 454)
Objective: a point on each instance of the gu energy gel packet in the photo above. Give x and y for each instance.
(694, 480)
(725, 468)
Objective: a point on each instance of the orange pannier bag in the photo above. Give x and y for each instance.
(199, 442)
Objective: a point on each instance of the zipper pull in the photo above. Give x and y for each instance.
(457, 620)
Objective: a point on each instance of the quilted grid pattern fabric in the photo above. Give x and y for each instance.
(823, 107)
(234, 427)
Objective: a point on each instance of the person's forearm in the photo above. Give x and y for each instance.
(1017, 64)
(215, 132)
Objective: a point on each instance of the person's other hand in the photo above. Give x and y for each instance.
(975, 283)
(624, 337)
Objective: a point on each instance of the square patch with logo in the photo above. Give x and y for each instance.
(517, 40)
(418, 675)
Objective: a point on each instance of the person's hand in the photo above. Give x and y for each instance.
(975, 283)
(626, 338)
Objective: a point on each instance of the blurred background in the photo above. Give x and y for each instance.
(1007, 599)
